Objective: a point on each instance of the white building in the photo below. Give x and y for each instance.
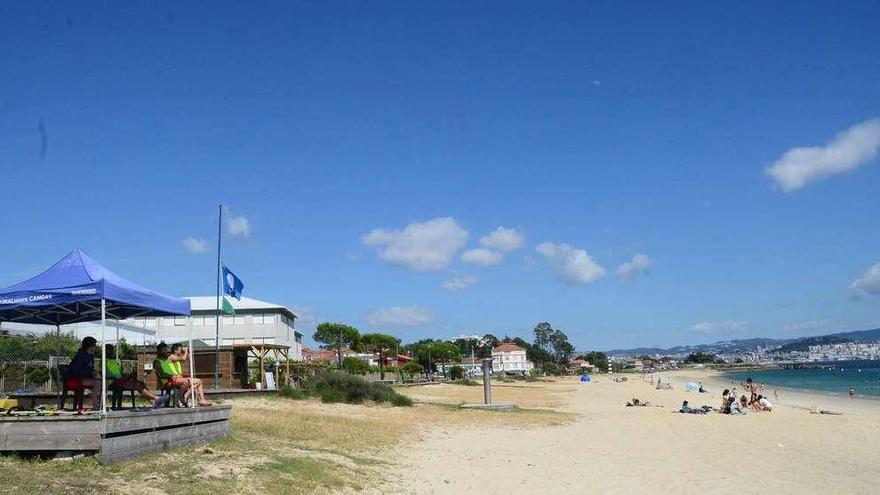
(510, 359)
(472, 366)
(254, 322)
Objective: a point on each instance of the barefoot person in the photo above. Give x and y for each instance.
(81, 371)
(178, 355)
(119, 381)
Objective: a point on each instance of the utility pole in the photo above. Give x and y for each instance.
(339, 348)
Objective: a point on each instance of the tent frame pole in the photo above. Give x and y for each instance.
(103, 357)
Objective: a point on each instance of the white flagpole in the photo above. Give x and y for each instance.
(103, 358)
(191, 357)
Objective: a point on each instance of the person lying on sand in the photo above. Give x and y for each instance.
(686, 409)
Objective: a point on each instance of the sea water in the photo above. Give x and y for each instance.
(835, 377)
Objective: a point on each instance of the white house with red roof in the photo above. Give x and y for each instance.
(510, 359)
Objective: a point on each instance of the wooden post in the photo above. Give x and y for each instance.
(487, 381)
(263, 367)
(287, 361)
(277, 369)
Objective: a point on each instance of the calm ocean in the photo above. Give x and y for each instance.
(833, 377)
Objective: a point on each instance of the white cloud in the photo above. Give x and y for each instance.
(720, 326)
(237, 225)
(480, 256)
(459, 283)
(639, 264)
(504, 240)
(574, 266)
(868, 283)
(399, 316)
(849, 150)
(421, 246)
(194, 245)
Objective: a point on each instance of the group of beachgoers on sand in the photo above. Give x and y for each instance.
(81, 374)
(730, 403)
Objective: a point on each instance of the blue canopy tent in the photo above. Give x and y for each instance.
(79, 289)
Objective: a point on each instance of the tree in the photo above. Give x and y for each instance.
(537, 355)
(700, 358)
(562, 348)
(491, 342)
(456, 372)
(543, 335)
(412, 368)
(381, 344)
(480, 347)
(597, 359)
(355, 366)
(336, 335)
(436, 351)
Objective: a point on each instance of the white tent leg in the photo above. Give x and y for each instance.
(192, 367)
(103, 358)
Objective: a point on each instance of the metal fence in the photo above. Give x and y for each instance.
(25, 367)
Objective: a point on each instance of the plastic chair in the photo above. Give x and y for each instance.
(78, 392)
(116, 398)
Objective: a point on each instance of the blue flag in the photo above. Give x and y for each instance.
(232, 285)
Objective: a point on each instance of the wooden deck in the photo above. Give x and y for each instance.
(116, 436)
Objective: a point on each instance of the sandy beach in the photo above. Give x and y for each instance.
(610, 448)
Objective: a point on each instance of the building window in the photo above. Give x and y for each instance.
(264, 319)
(179, 321)
(150, 322)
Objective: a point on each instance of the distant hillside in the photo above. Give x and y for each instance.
(748, 345)
(803, 345)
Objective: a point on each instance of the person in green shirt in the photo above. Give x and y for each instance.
(192, 386)
(117, 380)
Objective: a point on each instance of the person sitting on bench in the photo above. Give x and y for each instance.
(194, 387)
(119, 381)
(169, 364)
(166, 372)
(81, 371)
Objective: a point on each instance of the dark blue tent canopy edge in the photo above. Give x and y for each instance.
(71, 290)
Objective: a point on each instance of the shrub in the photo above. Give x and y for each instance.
(329, 395)
(336, 386)
(293, 393)
(469, 383)
(456, 372)
(401, 400)
(412, 368)
(553, 369)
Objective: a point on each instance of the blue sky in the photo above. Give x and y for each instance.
(363, 148)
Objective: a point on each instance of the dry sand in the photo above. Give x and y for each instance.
(610, 448)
